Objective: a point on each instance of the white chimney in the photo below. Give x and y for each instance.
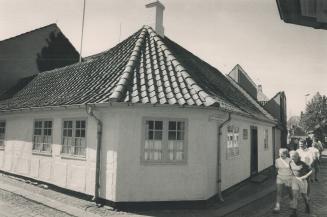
(156, 16)
(260, 88)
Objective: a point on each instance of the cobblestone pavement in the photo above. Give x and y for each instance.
(12, 205)
(264, 206)
(73, 201)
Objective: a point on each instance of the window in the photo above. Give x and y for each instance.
(2, 134)
(164, 141)
(42, 137)
(233, 149)
(73, 141)
(265, 141)
(245, 134)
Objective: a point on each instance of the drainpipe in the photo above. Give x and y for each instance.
(219, 158)
(90, 111)
(274, 144)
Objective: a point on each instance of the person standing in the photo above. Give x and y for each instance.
(319, 145)
(315, 164)
(307, 158)
(301, 172)
(284, 177)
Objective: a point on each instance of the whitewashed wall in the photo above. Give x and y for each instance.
(237, 169)
(195, 180)
(74, 174)
(123, 176)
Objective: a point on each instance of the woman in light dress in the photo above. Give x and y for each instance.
(284, 177)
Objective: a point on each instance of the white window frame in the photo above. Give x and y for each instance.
(3, 140)
(43, 136)
(69, 154)
(266, 139)
(232, 142)
(165, 150)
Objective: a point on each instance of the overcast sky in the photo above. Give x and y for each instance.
(224, 33)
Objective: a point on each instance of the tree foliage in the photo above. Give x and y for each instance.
(315, 115)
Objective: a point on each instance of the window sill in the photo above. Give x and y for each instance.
(2, 148)
(73, 157)
(163, 163)
(233, 157)
(47, 154)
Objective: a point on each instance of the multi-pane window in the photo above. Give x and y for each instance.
(153, 147)
(164, 141)
(233, 148)
(265, 140)
(42, 136)
(2, 134)
(74, 141)
(176, 140)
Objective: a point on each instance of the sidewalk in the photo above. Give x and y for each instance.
(236, 198)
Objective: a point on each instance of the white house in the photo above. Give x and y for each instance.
(144, 121)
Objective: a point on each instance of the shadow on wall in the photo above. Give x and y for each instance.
(58, 53)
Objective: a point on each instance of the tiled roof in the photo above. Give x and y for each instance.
(144, 68)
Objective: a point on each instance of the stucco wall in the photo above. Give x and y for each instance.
(74, 174)
(236, 169)
(124, 178)
(194, 180)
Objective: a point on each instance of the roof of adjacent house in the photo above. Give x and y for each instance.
(144, 68)
(250, 98)
(32, 52)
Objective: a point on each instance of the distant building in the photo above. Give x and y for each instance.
(26, 55)
(311, 13)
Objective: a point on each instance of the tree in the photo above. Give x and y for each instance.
(315, 116)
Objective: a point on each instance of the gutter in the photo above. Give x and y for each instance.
(219, 157)
(90, 111)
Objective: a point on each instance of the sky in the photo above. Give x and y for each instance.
(277, 55)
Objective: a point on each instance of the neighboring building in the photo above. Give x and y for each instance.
(243, 79)
(25, 55)
(171, 126)
(311, 13)
(276, 106)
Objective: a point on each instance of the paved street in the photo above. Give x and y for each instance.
(264, 206)
(12, 205)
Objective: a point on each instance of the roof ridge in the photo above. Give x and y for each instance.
(33, 30)
(127, 73)
(208, 100)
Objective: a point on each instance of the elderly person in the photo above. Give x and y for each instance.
(301, 172)
(284, 176)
